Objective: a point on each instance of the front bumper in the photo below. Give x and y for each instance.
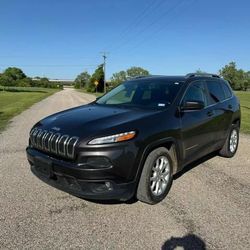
(99, 184)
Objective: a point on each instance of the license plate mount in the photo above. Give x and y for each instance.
(44, 166)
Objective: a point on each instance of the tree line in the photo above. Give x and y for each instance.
(12, 76)
(15, 77)
(238, 78)
(95, 82)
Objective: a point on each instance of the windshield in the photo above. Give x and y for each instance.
(152, 94)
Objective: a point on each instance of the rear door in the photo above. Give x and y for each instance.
(219, 101)
(197, 125)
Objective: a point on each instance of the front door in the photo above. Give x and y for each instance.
(197, 125)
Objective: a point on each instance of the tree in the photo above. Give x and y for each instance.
(137, 71)
(6, 81)
(25, 82)
(230, 73)
(118, 77)
(238, 78)
(246, 83)
(199, 71)
(82, 80)
(15, 77)
(122, 76)
(14, 73)
(11, 76)
(43, 82)
(98, 76)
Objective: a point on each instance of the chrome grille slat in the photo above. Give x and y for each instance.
(65, 137)
(33, 137)
(75, 140)
(49, 140)
(43, 138)
(55, 143)
(38, 139)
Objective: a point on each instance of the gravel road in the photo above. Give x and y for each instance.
(208, 206)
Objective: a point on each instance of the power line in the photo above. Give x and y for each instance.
(150, 37)
(135, 21)
(143, 40)
(152, 7)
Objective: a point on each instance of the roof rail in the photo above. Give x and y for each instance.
(138, 77)
(201, 74)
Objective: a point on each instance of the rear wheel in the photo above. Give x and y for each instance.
(156, 177)
(231, 144)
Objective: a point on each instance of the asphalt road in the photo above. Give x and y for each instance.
(208, 206)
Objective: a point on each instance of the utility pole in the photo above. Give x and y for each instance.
(104, 55)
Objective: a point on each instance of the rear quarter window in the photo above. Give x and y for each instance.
(227, 90)
(215, 92)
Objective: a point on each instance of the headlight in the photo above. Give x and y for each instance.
(113, 138)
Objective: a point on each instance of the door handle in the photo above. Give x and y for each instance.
(210, 113)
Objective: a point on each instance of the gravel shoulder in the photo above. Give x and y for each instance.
(207, 207)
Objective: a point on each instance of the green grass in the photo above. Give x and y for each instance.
(14, 100)
(244, 97)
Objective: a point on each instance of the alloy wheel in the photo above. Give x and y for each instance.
(160, 175)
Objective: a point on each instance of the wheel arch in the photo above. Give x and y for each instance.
(236, 121)
(170, 144)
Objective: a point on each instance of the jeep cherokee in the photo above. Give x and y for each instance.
(131, 141)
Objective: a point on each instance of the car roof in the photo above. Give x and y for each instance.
(158, 77)
(176, 78)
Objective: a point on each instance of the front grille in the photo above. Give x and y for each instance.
(55, 143)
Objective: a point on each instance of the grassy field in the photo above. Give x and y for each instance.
(245, 110)
(14, 100)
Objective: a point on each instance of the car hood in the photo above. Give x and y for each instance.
(92, 119)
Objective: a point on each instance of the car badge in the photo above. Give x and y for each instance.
(56, 128)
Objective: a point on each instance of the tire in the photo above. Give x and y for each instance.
(153, 171)
(228, 150)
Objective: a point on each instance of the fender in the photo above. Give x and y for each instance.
(174, 150)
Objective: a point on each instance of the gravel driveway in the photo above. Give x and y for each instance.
(207, 208)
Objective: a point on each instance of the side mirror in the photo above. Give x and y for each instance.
(193, 105)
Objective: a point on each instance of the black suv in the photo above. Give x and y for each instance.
(131, 141)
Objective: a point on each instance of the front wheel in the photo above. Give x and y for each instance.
(156, 178)
(231, 144)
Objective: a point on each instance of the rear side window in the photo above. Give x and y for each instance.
(215, 92)
(227, 90)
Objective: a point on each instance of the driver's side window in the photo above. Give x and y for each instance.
(196, 92)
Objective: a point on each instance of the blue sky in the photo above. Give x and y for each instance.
(60, 39)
